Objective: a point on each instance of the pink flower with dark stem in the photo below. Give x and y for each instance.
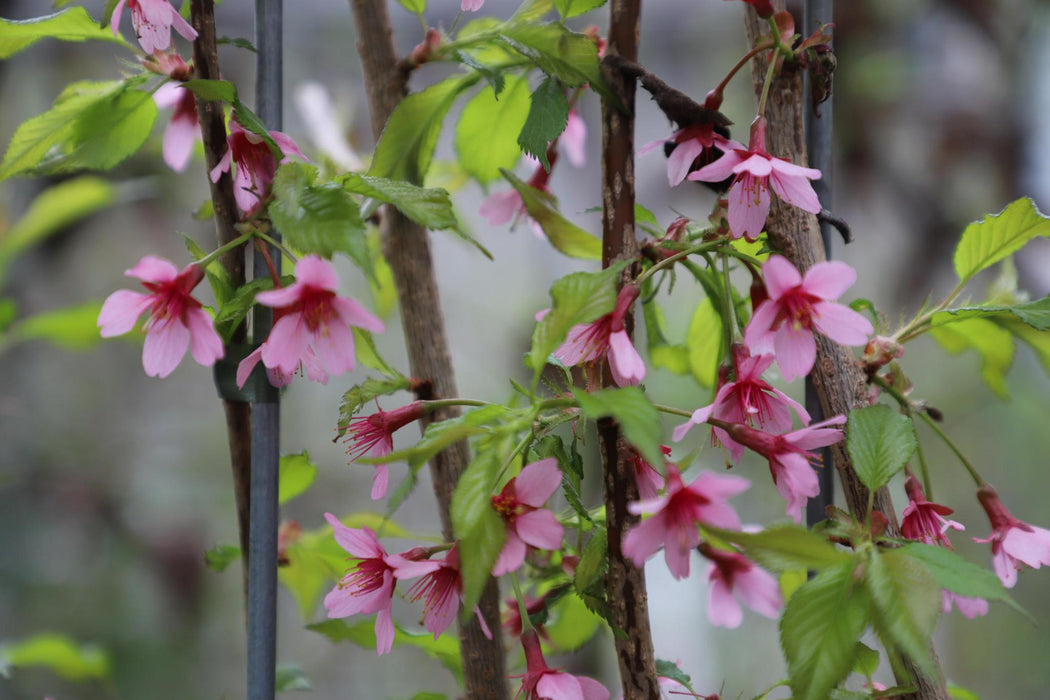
(789, 457)
(313, 323)
(373, 436)
(747, 399)
(153, 20)
(676, 515)
(732, 576)
(176, 320)
(1014, 543)
(369, 586)
(755, 172)
(606, 337)
(540, 682)
(441, 587)
(574, 139)
(520, 504)
(797, 304)
(924, 521)
(256, 165)
(183, 129)
(691, 143)
(648, 478)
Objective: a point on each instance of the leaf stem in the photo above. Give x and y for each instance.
(523, 611)
(974, 474)
(671, 410)
(277, 244)
(432, 405)
(239, 240)
(759, 48)
(671, 260)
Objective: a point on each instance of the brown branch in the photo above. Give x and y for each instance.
(676, 105)
(837, 376)
(625, 582)
(407, 249)
(213, 131)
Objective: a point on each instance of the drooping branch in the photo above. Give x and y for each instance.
(407, 249)
(837, 376)
(625, 582)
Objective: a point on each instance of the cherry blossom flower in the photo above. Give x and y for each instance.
(732, 576)
(312, 326)
(648, 478)
(471, 5)
(540, 682)
(520, 504)
(176, 320)
(765, 10)
(606, 337)
(789, 457)
(369, 586)
(153, 20)
(1014, 543)
(574, 139)
(924, 521)
(374, 436)
(507, 206)
(441, 586)
(512, 618)
(755, 173)
(676, 515)
(797, 304)
(256, 165)
(747, 399)
(968, 607)
(183, 129)
(310, 366)
(691, 143)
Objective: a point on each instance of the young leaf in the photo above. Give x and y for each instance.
(212, 90)
(562, 233)
(572, 8)
(548, 114)
(72, 328)
(239, 303)
(291, 677)
(594, 561)
(1034, 313)
(487, 131)
(560, 53)
(958, 575)
(906, 601)
(416, 7)
(787, 548)
(477, 526)
(996, 236)
(867, 661)
(880, 442)
(59, 654)
(73, 24)
(296, 474)
(573, 624)
(631, 409)
(704, 342)
(219, 557)
(429, 207)
(991, 341)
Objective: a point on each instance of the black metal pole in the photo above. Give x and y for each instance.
(818, 146)
(266, 414)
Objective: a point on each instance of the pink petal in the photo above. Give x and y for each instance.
(245, 366)
(1004, 567)
(796, 483)
(164, 347)
(153, 269)
(540, 528)
(760, 592)
(681, 159)
(354, 314)
(757, 335)
(168, 95)
(592, 689)
(796, 351)
(287, 145)
(114, 20)
(223, 166)
(121, 311)
(680, 542)
(722, 608)
(315, 271)
(650, 147)
(537, 482)
(818, 434)
(574, 139)
(721, 168)
(644, 540)
(829, 280)
(511, 557)
(841, 323)
(626, 364)
(179, 138)
(748, 207)
(718, 486)
(559, 686)
(800, 410)
(334, 345)
(408, 568)
(1032, 548)
(758, 165)
(585, 342)
(649, 505)
(780, 276)
(359, 542)
(788, 169)
(500, 207)
(205, 343)
(384, 631)
(182, 26)
(283, 296)
(287, 343)
(380, 480)
(794, 189)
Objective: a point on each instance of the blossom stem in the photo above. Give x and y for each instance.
(432, 405)
(671, 260)
(927, 485)
(759, 48)
(265, 253)
(974, 474)
(734, 321)
(526, 623)
(765, 85)
(277, 244)
(922, 323)
(672, 410)
(239, 240)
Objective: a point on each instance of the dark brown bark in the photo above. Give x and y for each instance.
(213, 131)
(625, 582)
(837, 376)
(407, 249)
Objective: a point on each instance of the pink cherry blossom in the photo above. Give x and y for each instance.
(755, 172)
(540, 682)
(733, 576)
(153, 20)
(747, 399)
(441, 586)
(924, 521)
(310, 366)
(784, 322)
(691, 143)
(574, 139)
(183, 129)
(256, 165)
(1014, 543)
(789, 457)
(369, 586)
(520, 504)
(471, 5)
(312, 326)
(176, 320)
(676, 515)
(648, 478)
(374, 436)
(606, 337)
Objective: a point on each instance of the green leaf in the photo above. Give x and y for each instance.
(441, 434)
(493, 74)
(704, 342)
(880, 441)
(669, 669)
(356, 397)
(548, 114)
(90, 126)
(906, 601)
(296, 474)
(988, 241)
(992, 342)
(568, 56)
(532, 10)
(416, 7)
(562, 233)
(478, 527)
(958, 575)
(251, 122)
(406, 147)
(573, 624)
(239, 42)
(786, 548)
(219, 557)
(594, 561)
(8, 312)
(72, 328)
(212, 90)
(429, 207)
(59, 654)
(488, 128)
(572, 8)
(580, 297)
(867, 661)
(1034, 313)
(320, 218)
(367, 355)
(73, 24)
(819, 629)
(291, 677)
(236, 307)
(638, 419)
(960, 693)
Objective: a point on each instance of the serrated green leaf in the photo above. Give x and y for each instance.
(572, 8)
(219, 557)
(239, 42)
(636, 416)
(819, 628)
(644, 216)
(704, 342)
(487, 131)
(562, 233)
(991, 341)
(58, 654)
(988, 241)
(416, 7)
(90, 126)
(367, 355)
(72, 328)
(73, 24)
(406, 147)
(594, 561)
(296, 474)
(236, 307)
(568, 56)
(669, 669)
(785, 548)
(906, 601)
(291, 677)
(356, 397)
(547, 116)
(429, 207)
(1037, 340)
(493, 75)
(880, 441)
(1034, 313)
(532, 10)
(212, 90)
(478, 527)
(958, 575)
(573, 624)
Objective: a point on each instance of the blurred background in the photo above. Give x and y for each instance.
(113, 485)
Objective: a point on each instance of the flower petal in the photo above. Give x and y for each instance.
(540, 528)
(205, 343)
(511, 557)
(164, 348)
(796, 351)
(626, 365)
(121, 311)
(841, 323)
(780, 276)
(537, 482)
(153, 269)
